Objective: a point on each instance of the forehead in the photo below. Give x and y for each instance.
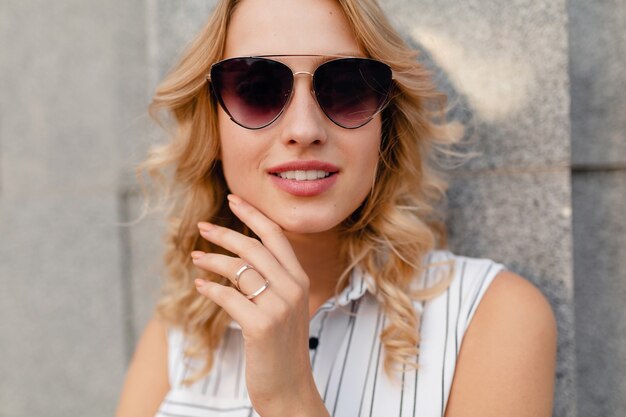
(261, 27)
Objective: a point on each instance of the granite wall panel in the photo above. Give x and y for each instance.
(597, 33)
(600, 290)
(76, 80)
(72, 90)
(523, 220)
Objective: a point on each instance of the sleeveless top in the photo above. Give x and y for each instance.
(346, 353)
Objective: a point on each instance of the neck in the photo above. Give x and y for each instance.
(319, 255)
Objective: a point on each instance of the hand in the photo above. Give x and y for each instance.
(275, 324)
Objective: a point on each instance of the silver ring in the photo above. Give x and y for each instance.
(240, 272)
(257, 292)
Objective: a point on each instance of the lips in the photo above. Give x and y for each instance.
(304, 178)
(304, 166)
(308, 175)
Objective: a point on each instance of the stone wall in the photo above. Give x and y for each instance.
(79, 284)
(597, 33)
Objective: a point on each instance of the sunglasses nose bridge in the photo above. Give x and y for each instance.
(310, 74)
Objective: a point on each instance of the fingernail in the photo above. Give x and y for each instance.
(235, 200)
(199, 283)
(195, 255)
(205, 226)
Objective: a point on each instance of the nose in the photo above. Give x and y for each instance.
(303, 122)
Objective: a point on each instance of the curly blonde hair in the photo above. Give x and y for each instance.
(388, 235)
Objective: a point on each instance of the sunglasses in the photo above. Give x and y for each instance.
(254, 91)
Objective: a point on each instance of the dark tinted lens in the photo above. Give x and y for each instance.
(253, 91)
(351, 90)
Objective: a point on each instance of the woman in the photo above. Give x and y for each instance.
(303, 279)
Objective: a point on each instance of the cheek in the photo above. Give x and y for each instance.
(238, 163)
(234, 153)
(234, 158)
(365, 154)
(371, 152)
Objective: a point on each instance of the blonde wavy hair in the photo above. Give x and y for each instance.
(388, 235)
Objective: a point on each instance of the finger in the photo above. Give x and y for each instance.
(252, 252)
(238, 307)
(249, 282)
(270, 233)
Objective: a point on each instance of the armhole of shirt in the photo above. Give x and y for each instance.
(482, 273)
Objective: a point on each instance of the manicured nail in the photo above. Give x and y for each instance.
(199, 283)
(205, 226)
(234, 200)
(195, 255)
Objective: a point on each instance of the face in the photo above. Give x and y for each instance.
(255, 162)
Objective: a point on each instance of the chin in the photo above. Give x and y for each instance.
(309, 225)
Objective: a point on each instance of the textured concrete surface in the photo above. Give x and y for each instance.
(598, 39)
(143, 268)
(599, 265)
(62, 345)
(597, 33)
(76, 77)
(72, 92)
(523, 220)
(506, 63)
(172, 26)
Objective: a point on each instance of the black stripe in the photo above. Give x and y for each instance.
(219, 370)
(417, 373)
(323, 309)
(348, 293)
(319, 336)
(332, 366)
(354, 310)
(482, 281)
(380, 345)
(369, 362)
(445, 348)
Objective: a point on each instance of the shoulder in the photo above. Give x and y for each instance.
(146, 380)
(512, 304)
(507, 359)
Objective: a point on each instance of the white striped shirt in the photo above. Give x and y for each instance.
(347, 362)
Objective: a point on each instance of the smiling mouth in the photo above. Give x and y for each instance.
(309, 175)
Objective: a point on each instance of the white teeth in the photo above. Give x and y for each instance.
(303, 175)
